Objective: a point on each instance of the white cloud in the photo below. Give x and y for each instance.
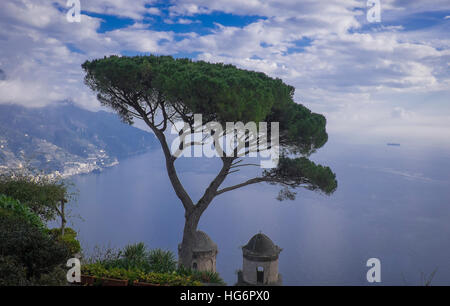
(185, 21)
(180, 21)
(44, 54)
(354, 76)
(135, 9)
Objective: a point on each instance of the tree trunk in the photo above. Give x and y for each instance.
(193, 215)
(63, 218)
(185, 249)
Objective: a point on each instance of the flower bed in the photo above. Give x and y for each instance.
(96, 274)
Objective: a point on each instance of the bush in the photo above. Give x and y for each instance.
(135, 252)
(135, 262)
(162, 261)
(201, 276)
(27, 245)
(170, 279)
(41, 195)
(133, 256)
(69, 239)
(10, 206)
(136, 256)
(12, 273)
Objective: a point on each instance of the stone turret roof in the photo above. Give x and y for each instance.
(260, 247)
(203, 243)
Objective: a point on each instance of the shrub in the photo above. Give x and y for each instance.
(201, 276)
(170, 279)
(135, 262)
(27, 244)
(162, 261)
(12, 273)
(133, 256)
(69, 239)
(10, 206)
(136, 256)
(38, 193)
(135, 252)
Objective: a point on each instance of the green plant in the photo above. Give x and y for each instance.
(38, 192)
(170, 279)
(135, 252)
(136, 256)
(132, 256)
(201, 276)
(11, 206)
(12, 273)
(68, 239)
(162, 261)
(29, 246)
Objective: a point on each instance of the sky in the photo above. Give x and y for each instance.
(376, 82)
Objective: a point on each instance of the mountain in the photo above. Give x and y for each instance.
(66, 139)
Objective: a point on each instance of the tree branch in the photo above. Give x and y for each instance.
(170, 166)
(211, 191)
(249, 182)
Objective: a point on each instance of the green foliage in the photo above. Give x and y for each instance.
(12, 207)
(31, 249)
(69, 239)
(137, 87)
(135, 252)
(11, 272)
(295, 172)
(170, 279)
(133, 256)
(301, 131)
(135, 262)
(100, 270)
(136, 256)
(40, 194)
(220, 92)
(201, 276)
(162, 261)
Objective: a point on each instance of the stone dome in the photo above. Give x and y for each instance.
(261, 248)
(203, 243)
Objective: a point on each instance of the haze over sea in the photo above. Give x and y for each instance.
(392, 203)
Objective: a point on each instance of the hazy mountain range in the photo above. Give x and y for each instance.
(65, 139)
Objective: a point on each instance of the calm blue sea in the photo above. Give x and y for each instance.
(392, 203)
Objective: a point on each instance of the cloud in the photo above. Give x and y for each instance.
(44, 52)
(180, 21)
(366, 79)
(187, 21)
(123, 8)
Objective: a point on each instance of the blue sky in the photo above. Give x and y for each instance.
(375, 82)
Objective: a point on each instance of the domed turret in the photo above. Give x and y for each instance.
(203, 243)
(260, 262)
(260, 247)
(204, 252)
